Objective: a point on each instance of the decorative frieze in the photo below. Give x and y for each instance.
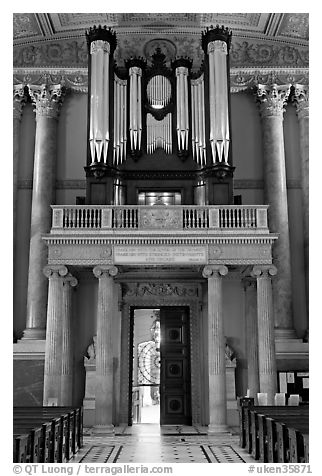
(160, 289)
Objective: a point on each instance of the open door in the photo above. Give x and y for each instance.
(175, 387)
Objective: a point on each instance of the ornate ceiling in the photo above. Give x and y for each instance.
(57, 40)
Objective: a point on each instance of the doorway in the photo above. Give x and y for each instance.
(160, 381)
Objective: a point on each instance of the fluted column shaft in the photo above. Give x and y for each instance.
(251, 337)
(19, 100)
(104, 354)
(66, 390)
(301, 100)
(216, 349)
(53, 350)
(47, 100)
(266, 339)
(272, 101)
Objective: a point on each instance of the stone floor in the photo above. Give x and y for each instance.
(150, 443)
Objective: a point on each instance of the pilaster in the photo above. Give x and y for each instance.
(251, 336)
(66, 390)
(104, 354)
(301, 102)
(216, 349)
(53, 352)
(266, 339)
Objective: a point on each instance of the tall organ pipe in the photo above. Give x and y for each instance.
(218, 99)
(182, 107)
(99, 109)
(135, 107)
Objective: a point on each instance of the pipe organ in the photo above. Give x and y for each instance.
(159, 106)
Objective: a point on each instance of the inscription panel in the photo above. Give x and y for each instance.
(160, 254)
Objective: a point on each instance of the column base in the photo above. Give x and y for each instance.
(34, 334)
(284, 334)
(103, 430)
(217, 429)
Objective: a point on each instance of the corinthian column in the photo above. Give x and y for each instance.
(266, 340)
(272, 100)
(53, 353)
(216, 350)
(19, 100)
(301, 101)
(251, 336)
(66, 395)
(47, 101)
(104, 353)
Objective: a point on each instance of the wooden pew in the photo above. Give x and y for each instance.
(252, 433)
(66, 435)
(47, 445)
(22, 448)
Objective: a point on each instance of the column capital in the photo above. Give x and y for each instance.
(19, 100)
(58, 270)
(272, 99)
(301, 100)
(71, 280)
(110, 270)
(214, 271)
(47, 99)
(264, 270)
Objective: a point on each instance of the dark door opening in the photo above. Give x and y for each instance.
(160, 383)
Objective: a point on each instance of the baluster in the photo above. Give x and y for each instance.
(248, 218)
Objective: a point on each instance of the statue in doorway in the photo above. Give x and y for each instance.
(91, 350)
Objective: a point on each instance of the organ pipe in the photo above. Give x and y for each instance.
(159, 133)
(99, 108)
(182, 106)
(198, 121)
(218, 99)
(119, 142)
(135, 107)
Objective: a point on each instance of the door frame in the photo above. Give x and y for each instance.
(154, 295)
(131, 356)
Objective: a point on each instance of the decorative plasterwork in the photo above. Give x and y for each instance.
(243, 53)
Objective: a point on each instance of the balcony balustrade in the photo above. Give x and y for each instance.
(132, 218)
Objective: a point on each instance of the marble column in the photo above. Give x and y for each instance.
(266, 338)
(301, 101)
(19, 100)
(272, 100)
(53, 352)
(47, 101)
(66, 388)
(104, 353)
(251, 336)
(216, 349)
